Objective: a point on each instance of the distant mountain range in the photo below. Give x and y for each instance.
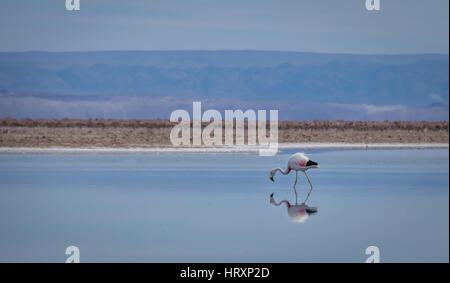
(301, 85)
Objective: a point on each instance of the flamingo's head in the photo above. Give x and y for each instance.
(272, 173)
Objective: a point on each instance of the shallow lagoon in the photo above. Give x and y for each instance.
(216, 207)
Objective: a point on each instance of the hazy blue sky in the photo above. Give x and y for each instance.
(402, 26)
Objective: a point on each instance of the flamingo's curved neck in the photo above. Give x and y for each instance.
(284, 172)
(272, 201)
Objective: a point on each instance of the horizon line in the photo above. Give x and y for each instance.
(227, 50)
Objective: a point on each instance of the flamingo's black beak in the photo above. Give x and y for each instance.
(271, 195)
(271, 178)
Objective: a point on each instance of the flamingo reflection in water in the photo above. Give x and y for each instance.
(298, 212)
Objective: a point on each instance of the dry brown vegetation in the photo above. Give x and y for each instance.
(152, 133)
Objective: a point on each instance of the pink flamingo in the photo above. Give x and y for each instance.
(297, 162)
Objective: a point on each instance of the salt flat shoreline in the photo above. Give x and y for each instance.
(211, 150)
(110, 136)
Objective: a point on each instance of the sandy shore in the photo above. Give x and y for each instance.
(152, 136)
(230, 149)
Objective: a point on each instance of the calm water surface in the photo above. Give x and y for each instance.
(190, 208)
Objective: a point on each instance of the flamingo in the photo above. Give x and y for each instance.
(297, 212)
(297, 162)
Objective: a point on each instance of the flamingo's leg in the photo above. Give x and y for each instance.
(295, 191)
(309, 181)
